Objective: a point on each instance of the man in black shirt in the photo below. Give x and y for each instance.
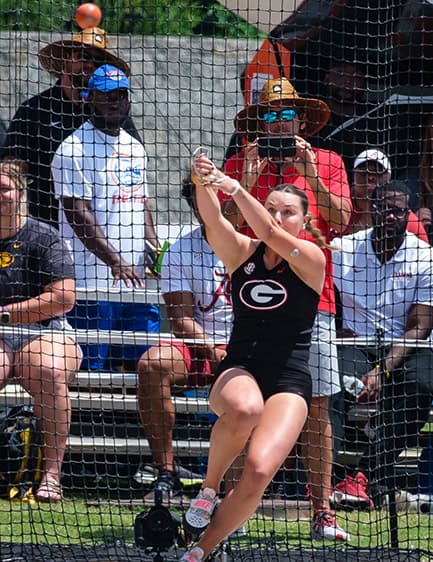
(41, 123)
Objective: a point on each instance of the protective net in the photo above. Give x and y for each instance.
(127, 264)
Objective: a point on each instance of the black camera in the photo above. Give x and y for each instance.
(276, 148)
(158, 529)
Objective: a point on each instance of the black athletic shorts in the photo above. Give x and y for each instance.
(273, 377)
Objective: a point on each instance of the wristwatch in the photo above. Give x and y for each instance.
(5, 315)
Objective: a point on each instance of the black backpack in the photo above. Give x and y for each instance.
(20, 452)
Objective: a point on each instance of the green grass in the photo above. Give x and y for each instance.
(428, 428)
(367, 530)
(74, 522)
(71, 522)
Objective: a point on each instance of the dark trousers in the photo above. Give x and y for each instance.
(402, 408)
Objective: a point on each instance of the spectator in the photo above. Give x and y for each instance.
(425, 217)
(37, 289)
(196, 290)
(419, 176)
(263, 386)
(426, 167)
(344, 89)
(44, 121)
(371, 168)
(352, 123)
(99, 175)
(321, 175)
(384, 276)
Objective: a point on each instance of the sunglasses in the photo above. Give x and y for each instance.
(398, 212)
(282, 115)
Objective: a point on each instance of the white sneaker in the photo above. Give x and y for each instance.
(194, 555)
(324, 526)
(200, 511)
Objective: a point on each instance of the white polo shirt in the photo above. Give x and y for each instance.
(190, 265)
(379, 295)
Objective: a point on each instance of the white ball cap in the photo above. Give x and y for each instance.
(372, 154)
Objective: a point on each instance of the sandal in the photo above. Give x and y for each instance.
(49, 491)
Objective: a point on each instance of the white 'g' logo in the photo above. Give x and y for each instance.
(263, 295)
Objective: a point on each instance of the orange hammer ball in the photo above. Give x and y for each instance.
(88, 15)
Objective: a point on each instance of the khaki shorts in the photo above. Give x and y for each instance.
(323, 362)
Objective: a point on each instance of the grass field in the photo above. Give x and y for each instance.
(75, 522)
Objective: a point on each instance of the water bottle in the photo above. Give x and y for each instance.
(353, 385)
(160, 256)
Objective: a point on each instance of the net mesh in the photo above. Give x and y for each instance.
(105, 383)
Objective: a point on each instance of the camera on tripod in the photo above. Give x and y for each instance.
(158, 529)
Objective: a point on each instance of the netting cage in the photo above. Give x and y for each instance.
(167, 171)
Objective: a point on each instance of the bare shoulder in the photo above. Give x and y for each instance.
(246, 248)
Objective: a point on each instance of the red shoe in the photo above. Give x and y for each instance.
(351, 493)
(307, 493)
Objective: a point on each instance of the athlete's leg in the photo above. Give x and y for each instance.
(279, 427)
(237, 400)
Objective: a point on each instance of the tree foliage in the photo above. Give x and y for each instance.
(34, 15)
(139, 17)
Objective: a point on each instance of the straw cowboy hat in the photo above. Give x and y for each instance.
(279, 93)
(94, 39)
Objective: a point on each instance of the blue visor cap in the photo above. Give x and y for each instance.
(107, 78)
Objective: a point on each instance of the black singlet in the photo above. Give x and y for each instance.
(273, 309)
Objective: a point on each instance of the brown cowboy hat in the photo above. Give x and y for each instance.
(93, 39)
(279, 93)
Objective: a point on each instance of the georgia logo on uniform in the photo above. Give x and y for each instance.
(265, 294)
(249, 268)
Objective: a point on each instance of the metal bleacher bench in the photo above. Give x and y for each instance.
(104, 391)
(114, 392)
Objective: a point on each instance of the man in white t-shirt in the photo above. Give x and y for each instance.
(196, 290)
(99, 175)
(384, 277)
